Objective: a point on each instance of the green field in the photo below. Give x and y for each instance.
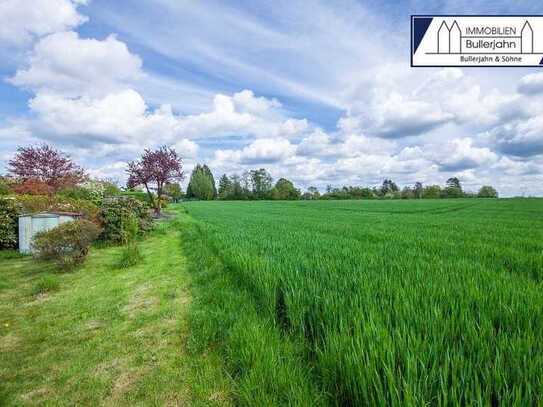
(372, 302)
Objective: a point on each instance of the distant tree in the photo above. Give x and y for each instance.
(453, 183)
(408, 193)
(313, 193)
(453, 189)
(285, 190)
(225, 187)
(154, 170)
(246, 183)
(46, 165)
(431, 192)
(201, 184)
(359, 193)
(174, 191)
(238, 193)
(209, 174)
(388, 187)
(418, 189)
(487, 191)
(261, 183)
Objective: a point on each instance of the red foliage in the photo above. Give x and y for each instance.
(154, 170)
(45, 164)
(33, 187)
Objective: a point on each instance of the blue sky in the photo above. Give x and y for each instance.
(319, 92)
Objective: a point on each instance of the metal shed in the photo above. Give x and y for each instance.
(30, 224)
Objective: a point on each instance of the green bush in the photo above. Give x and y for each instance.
(94, 191)
(117, 217)
(46, 284)
(46, 203)
(9, 212)
(139, 195)
(67, 245)
(130, 256)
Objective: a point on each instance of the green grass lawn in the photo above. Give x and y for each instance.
(102, 335)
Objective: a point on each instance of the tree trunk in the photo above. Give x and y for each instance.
(152, 199)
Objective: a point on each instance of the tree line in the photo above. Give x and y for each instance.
(42, 170)
(258, 185)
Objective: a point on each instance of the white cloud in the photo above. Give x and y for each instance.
(460, 155)
(23, 20)
(259, 152)
(186, 148)
(69, 65)
(531, 84)
(521, 138)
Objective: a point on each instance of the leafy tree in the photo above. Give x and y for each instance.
(418, 190)
(454, 183)
(261, 182)
(209, 174)
(313, 193)
(238, 193)
(154, 170)
(453, 189)
(201, 184)
(431, 192)
(388, 187)
(174, 191)
(407, 193)
(225, 187)
(487, 191)
(45, 165)
(285, 190)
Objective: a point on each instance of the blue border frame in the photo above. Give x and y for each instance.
(468, 66)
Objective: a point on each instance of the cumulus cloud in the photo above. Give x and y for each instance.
(261, 151)
(531, 84)
(521, 138)
(23, 20)
(66, 64)
(460, 155)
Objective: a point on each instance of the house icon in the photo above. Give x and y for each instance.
(449, 39)
(527, 39)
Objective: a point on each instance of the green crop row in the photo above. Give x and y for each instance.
(378, 302)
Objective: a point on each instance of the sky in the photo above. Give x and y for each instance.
(319, 92)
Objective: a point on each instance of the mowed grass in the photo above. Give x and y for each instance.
(372, 302)
(103, 335)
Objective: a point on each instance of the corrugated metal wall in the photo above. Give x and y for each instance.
(29, 225)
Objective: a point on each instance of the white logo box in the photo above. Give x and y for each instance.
(459, 40)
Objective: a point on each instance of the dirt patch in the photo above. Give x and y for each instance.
(9, 342)
(141, 300)
(111, 367)
(124, 383)
(35, 394)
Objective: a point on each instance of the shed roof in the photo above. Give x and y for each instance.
(53, 214)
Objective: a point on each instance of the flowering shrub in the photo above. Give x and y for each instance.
(67, 245)
(94, 190)
(33, 187)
